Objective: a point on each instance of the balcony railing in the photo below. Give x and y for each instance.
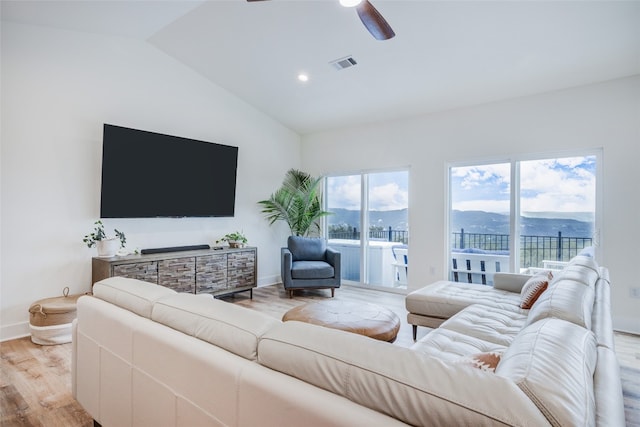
(388, 235)
(533, 249)
(489, 251)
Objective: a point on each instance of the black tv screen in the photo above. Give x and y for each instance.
(147, 174)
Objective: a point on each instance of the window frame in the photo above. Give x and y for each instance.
(514, 161)
(364, 219)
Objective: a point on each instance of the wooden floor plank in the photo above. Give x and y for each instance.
(35, 381)
(36, 386)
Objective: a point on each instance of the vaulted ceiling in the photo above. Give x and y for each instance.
(445, 55)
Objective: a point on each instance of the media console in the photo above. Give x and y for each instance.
(216, 272)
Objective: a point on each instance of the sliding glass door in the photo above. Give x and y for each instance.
(479, 222)
(343, 197)
(376, 202)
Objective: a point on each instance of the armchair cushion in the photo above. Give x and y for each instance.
(311, 270)
(307, 248)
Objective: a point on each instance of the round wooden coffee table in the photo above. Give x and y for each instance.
(361, 318)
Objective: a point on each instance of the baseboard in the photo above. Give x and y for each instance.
(630, 325)
(14, 331)
(269, 280)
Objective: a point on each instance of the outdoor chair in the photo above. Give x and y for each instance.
(400, 265)
(478, 266)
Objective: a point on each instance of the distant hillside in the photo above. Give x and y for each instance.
(397, 219)
(493, 223)
(539, 224)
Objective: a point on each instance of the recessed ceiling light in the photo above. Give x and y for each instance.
(303, 77)
(350, 3)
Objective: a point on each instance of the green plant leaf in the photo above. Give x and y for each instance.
(297, 202)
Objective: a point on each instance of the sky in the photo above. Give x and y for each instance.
(556, 185)
(387, 191)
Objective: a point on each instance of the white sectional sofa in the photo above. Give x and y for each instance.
(560, 352)
(144, 355)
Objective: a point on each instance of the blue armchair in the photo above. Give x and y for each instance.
(307, 263)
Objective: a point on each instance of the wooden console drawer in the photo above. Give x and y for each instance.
(147, 271)
(178, 274)
(242, 269)
(211, 273)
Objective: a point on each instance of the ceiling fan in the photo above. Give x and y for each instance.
(370, 17)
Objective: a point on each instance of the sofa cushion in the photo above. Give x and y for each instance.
(582, 275)
(409, 386)
(582, 269)
(512, 282)
(450, 345)
(534, 287)
(311, 270)
(566, 299)
(553, 362)
(584, 261)
(444, 299)
(601, 322)
(132, 294)
(232, 327)
(487, 323)
(307, 248)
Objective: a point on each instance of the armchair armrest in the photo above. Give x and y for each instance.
(286, 262)
(511, 282)
(333, 258)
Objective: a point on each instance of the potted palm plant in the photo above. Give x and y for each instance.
(107, 245)
(297, 202)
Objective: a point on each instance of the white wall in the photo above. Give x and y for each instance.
(58, 88)
(605, 115)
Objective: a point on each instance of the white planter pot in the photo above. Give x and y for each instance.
(108, 247)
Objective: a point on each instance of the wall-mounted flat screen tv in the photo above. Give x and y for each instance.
(147, 174)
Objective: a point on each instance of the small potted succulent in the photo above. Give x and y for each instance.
(107, 245)
(235, 240)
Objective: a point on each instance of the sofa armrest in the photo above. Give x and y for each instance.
(511, 282)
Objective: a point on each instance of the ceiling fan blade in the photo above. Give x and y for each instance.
(373, 20)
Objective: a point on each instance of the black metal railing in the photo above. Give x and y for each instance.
(533, 249)
(388, 235)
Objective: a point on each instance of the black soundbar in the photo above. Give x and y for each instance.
(174, 249)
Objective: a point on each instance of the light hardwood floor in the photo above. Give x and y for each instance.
(35, 381)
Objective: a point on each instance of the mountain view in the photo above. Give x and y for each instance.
(538, 225)
(533, 224)
(397, 219)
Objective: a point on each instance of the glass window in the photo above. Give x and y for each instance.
(479, 222)
(344, 199)
(551, 202)
(557, 210)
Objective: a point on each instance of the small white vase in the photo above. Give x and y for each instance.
(108, 247)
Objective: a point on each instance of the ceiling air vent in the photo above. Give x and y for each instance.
(342, 63)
